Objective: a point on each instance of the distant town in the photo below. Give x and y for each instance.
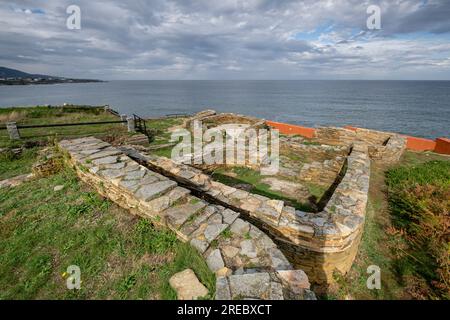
(15, 77)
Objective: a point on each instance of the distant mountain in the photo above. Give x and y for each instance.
(10, 76)
(13, 73)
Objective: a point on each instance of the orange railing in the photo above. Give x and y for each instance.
(440, 145)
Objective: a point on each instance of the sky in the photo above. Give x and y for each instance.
(228, 39)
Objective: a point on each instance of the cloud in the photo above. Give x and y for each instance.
(228, 39)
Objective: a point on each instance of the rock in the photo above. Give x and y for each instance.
(278, 260)
(58, 188)
(276, 204)
(118, 165)
(15, 181)
(185, 174)
(248, 249)
(296, 281)
(151, 191)
(222, 289)
(224, 272)
(240, 227)
(136, 174)
(178, 215)
(111, 174)
(106, 154)
(213, 230)
(106, 160)
(230, 251)
(215, 261)
(229, 216)
(256, 285)
(215, 218)
(187, 286)
(268, 213)
(239, 271)
(130, 185)
(276, 291)
(200, 245)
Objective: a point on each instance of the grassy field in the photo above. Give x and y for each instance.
(388, 246)
(43, 231)
(54, 115)
(12, 165)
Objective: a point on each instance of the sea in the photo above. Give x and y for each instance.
(418, 108)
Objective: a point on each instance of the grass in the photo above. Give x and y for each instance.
(12, 165)
(42, 232)
(55, 115)
(419, 200)
(385, 245)
(160, 129)
(253, 178)
(163, 152)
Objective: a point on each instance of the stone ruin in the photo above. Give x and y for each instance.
(269, 244)
(247, 263)
(319, 241)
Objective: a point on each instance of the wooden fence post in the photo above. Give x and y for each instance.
(131, 124)
(13, 131)
(123, 117)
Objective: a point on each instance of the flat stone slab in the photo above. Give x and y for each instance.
(212, 231)
(151, 191)
(256, 286)
(104, 154)
(105, 160)
(248, 249)
(178, 215)
(215, 261)
(187, 285)
(296, 281)
(15, 181)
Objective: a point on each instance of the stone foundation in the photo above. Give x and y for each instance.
(383, 146)
(319, 243)
(247, 263)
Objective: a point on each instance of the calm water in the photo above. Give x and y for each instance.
(420, 108)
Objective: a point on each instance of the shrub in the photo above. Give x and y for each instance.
(419, 199)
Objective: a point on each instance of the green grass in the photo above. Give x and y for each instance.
(56, 115)
(163, 152)
(253, 178)
(385, 245)
(419, 201)
(159, 127)
(42, 232)
(13, 165)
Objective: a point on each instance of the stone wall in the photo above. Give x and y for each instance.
(322, 163)
(383, 146)
(210, 118)
(319, 243)
(246, 261)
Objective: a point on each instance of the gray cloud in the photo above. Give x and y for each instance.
(228, 39)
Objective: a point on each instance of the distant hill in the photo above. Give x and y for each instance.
(13, 73)
(10, 76)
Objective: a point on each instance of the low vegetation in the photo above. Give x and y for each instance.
(12, 164)
(55, 115)
(405, 233)
(419, 201)
(43, 231)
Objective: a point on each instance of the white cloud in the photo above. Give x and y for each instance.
(228, 39)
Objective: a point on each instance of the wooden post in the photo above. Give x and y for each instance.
(13, 131)
(131, 124)
(123, 117)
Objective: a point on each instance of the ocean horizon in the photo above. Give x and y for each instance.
(414, 107)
